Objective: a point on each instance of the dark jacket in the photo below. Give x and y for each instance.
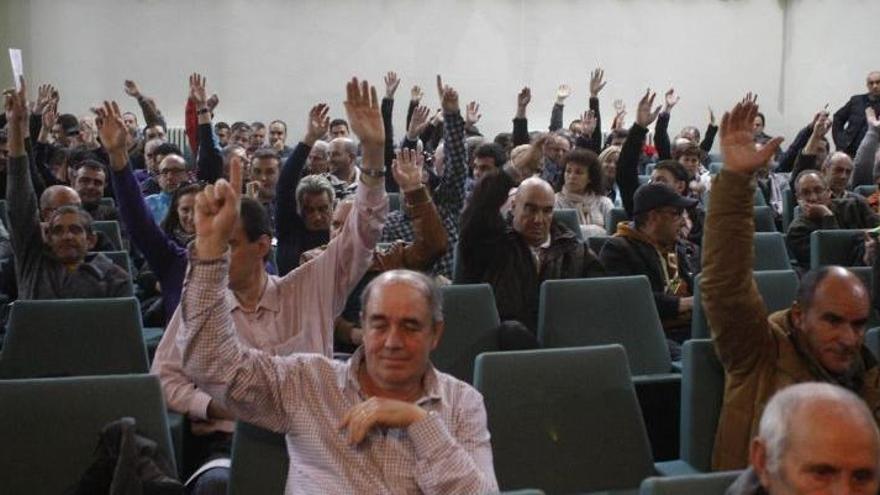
(625, 255)
(492, 252)
(849, 213)
(290, 228)
(849, 124)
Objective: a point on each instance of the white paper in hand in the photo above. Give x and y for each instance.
(17, 66)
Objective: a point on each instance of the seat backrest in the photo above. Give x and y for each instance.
(872, 341)
(54, 424)
(777, 288)
(764, 219)
(73, 337)
(568, 217)
(122, 260)
(564, 420)
(693, 484)
(770, 252)
(607, 310)
(833, 247)
(111, 229)
(108, 201)
(259, 461)
(393, 201)
(788, 204)
(865, 190)
(471, 327)
(614, 216)
(702, 393)
(457, 267)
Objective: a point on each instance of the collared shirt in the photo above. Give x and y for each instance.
(448, 196)
(294, 314)
(306, 396)
(340, 187)
(158, 205)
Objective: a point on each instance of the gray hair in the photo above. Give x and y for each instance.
(349, 145)
(422, 283)
(313, 184)
(780, 414)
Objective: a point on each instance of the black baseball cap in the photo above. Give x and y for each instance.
(652, 196)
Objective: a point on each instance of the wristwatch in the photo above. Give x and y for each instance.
(369, 172)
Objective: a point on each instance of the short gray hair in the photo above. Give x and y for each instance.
(349, 145)
(779, 414)
(313, 184)
(422, 283)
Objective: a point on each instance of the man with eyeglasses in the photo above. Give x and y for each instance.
(60, 266)
(172, 173)
(648, 246)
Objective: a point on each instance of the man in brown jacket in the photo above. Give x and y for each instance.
(430, 242)
(820, 338)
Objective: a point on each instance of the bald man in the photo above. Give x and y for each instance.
(343, 175)
(516, 256)
(172, 173)
(849, 124)
(819, 338)
(813, 438)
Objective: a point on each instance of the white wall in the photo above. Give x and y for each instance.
(274, 58)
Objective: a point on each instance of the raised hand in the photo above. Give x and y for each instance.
(197, 92)
(113, 133)
(217, 208)
(318, 123)
(416, 94)
(418, 122)
(391, 84)
(619, 106)
(644, 115)
(522, 101)
(448, 96)
(711, 117)
(377, 411)
(588, 123)
(15, 104)
(406, 170)
(563, 92)
(48, 119)
(45, 96)
(671, 99)
(364, 116)
(212, 102)
(131, 88)
(738, 140)
(597, 82)
(472, 114)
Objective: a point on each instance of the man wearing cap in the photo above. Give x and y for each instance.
(647, 246)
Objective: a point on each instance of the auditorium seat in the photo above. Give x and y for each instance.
(259, 461)
(764, 221)
(51, 426)
(834, 247)
(777, 288)
(72, 337)
(549, 409)
(471, 327)
(568, 218)
(872, 341)
(702, 393)
(615, 216)
(605, 310)
(394, 203)
(865, 190)
(771, 252)
(788, 204)
(695, 484)
(111, 229)
(122, 260)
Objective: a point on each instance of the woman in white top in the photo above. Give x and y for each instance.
(583, 191)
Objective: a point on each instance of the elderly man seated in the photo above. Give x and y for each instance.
(813, 438)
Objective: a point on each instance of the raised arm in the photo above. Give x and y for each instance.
(628, 162)
(563, 92)
(287, 216)
(520, 123)
(806, 160)
(661, 130)
(481, 221)
(391, 84)
(152, 115)
(165, 257)
(210, 160)
(734, 308)
(711, 132)
(450, 192)
(24, 220)
(866, 168)
(838, 125)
